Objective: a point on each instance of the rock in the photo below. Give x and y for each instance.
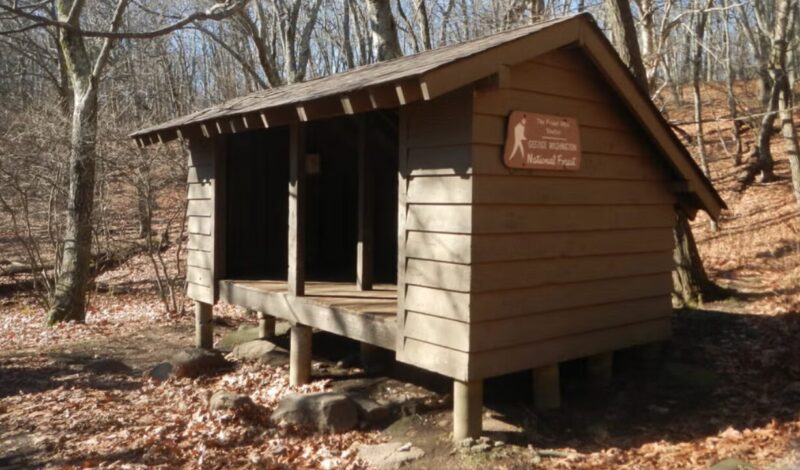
(732, 464)
(244, 334)
(224, 400)
(466, 442)
(370, 412)
(389, 456)
(499, 443)
(263, 351)
(196, 362)
(480, 448)
(325, 412)
(159, 372)
(484, 440)
(107, 366)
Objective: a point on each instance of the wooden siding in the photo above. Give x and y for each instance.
(204, 257)
(433, 189)
(562, 264)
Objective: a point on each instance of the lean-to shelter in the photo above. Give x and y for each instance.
(493, 206)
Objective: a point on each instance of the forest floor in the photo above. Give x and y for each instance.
(727, 385)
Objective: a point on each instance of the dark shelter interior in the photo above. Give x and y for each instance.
(257, 182)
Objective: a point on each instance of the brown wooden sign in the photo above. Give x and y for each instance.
(542, 142)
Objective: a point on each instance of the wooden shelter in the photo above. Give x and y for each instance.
(380, 204)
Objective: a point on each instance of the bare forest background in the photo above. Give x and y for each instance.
(78, 197)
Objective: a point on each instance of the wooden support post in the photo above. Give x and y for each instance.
(546, 388)
(266, 326)
(600, 368)
(467, 409)
(300, 355)
(297, 212)
(365, 248)
(203, 326)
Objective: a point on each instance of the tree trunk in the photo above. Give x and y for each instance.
(69, 303)
(691, 285)
(690, 280)
(780, 77)
(424, 24)
(623, 36)
(699, 33)
(737, 136)
(384, 30)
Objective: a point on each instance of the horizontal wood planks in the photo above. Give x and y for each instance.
(339, 308)
(204, 193)
(436, 175)
(562, 264)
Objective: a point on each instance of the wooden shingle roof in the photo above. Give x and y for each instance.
(429, 74)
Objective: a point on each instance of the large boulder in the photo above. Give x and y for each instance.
(325, 412)
(224, 400)
(190, 363)
(195, 362)
(263, 351)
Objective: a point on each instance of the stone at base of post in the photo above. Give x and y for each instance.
(546, 388)
(300, 355)
(203, 326)
(467, 409)
(266, 326)
(600, 368)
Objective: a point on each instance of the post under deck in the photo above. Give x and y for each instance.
(369, 316)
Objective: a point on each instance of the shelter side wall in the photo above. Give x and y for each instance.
(434, 233)
(565, 264)
(205, 192)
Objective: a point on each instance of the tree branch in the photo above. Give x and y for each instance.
(217, 12)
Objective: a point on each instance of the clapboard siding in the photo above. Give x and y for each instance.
(485, 336)
(204, 258)
(448, 247)
(516, 303)
(514, 246)
(564, 264)
(524, 190)
(543, 353)
(437, 146)
(589, 113)
(484, 277)
(554, 218)
(488, 160)
(490, 130)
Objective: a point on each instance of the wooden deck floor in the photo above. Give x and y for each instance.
(336, 307)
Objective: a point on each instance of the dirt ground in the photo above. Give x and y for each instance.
(727, 386)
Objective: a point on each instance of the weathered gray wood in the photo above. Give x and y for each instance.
(365, 248)
(528, 273)
(203, 326)
(516, 303)
(372, 322)
(300, 355)
(528, 356)
(467, 409)
(297, 209)
(266, 326)
(546, 388)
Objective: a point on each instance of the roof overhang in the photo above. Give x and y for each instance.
(431, 74)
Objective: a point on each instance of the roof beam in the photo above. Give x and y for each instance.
(383, 97)
(356, 102)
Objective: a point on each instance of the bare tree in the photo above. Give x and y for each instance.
(85, 70)
(383, 29)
